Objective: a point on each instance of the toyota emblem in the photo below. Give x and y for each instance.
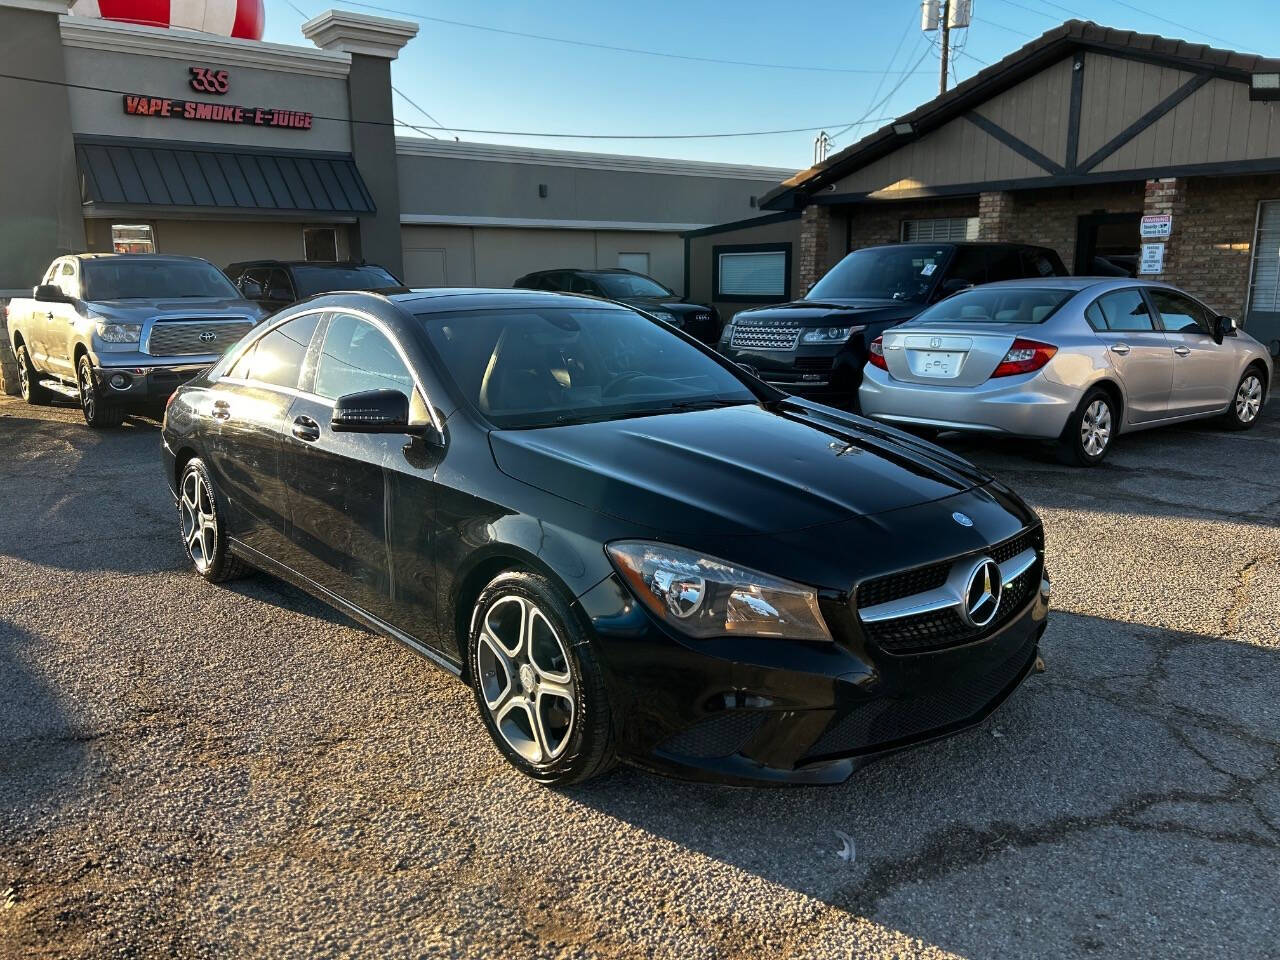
(982, 593)
(208, 336)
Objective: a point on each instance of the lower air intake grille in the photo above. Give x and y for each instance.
(722, 736)
(884, 722)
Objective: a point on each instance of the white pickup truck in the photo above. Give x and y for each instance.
(117, 332)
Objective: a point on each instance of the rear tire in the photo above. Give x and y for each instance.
(1090, 430)
(28, 384)
(96, 414)
(537, 683)
(1246, 402)
(200, 521)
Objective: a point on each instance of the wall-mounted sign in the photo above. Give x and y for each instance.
(1152, 258)
(1156, 225)
(205, 80)
(144, 106)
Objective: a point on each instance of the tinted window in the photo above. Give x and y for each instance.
(580, 284)
(620, 285)
(1180, 314)
(1004, 263)
(1122, 312)
(277, 285)
(551, 365)
(969, 265)
(997, 305)
(1041, 263)
(240, 370)
(903, 272)
(313, 280)
(116, 278)
(277, 358)
(357, 357)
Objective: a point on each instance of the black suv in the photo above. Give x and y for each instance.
(278, 283)
(635, 290)
(817, 346)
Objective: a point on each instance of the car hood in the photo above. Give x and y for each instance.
(822, 312)
(180, 307)
(737, 470)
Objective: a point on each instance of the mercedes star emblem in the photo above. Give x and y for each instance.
(962, 519)
(982, 593)
(208, 336)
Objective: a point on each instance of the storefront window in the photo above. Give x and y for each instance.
(132, 238)
(320, 243)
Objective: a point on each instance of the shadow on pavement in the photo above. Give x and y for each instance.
(1127, 795)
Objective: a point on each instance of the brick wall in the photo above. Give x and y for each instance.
(1049, 218)
(814, 253)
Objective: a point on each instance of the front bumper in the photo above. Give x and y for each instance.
(1030, 405)
(137, 384)
(781, 712)
(821, 371)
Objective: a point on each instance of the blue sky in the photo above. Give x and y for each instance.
(485, 80)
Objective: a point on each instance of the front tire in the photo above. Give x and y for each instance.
(1090, 430)
(537, 682)
(28, 382)
(1246, 402)
(204, 534)
(96, 414)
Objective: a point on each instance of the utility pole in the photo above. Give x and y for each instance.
(945, 25)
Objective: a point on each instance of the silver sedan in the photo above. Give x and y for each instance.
(1074, 359)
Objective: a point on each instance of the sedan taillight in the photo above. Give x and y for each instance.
(1025, 356)
(875, 354)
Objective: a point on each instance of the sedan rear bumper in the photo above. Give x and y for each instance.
(1030, 405)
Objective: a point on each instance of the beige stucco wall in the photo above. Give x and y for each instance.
(497, 256)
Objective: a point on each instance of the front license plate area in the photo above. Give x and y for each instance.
(942, 364)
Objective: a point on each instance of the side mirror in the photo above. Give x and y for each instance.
(373, 411)
(1223, 327)
(49, 293)
(250, 289)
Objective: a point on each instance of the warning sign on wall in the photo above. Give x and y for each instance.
(1156, 225)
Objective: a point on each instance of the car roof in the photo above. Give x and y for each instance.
(1074, 283)
(305, 263)
(444, 299)
(147, 257)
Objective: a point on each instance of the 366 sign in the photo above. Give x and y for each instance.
(206, 80)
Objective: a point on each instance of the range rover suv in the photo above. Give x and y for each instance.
(817, 346)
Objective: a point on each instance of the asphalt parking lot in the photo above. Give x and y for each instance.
(198, 771)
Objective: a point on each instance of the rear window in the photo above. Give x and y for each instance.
(997, 305)
(313, 280)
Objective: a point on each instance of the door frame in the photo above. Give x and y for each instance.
(1086, 236)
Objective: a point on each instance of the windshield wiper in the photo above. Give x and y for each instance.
(705, 403)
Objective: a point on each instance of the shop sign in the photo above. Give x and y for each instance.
(1156, 225)
(1152, 258)
(212, 80)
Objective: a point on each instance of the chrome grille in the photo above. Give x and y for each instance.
(177, 338)
(765, 336)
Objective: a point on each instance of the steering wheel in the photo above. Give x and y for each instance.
(625, 377)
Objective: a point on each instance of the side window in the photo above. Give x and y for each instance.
(277, 357)
(67, 279)
(1035, 263)
(1180, 314)
(1093, 313)
(358, 357)
(1003, 263)
(579, 284)
(1122, 312)
(969, 265)
(277, 286)
(51, 274)
(240, 369)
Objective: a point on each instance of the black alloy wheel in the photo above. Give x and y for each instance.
(537, 683)
(97, 414)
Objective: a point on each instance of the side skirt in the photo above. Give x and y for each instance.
(278, 569)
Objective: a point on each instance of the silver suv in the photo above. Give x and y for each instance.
(121, 331)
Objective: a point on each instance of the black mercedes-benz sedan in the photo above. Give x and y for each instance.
(629, 548)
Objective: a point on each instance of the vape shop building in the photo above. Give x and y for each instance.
(1127, 153)
(133, 137)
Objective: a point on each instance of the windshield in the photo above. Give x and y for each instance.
(112, 279)
(997, 305)
(554, 365)
(904, 272)
(313, 280)
(623, 285)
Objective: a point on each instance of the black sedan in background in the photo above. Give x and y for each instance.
(635, 290)
(626, 546)
(277, 283)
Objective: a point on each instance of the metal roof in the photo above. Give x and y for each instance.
(127, 172)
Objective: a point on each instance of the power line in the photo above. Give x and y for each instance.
(885, 99)
(507, 133)
(611, 47)
(1001, 26)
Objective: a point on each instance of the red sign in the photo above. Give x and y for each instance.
(204, 80)
(143, 106)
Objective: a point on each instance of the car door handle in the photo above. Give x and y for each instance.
(1120, 348)
(304, 428)
(221, 410)
(48, 316)
(1182, 351)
